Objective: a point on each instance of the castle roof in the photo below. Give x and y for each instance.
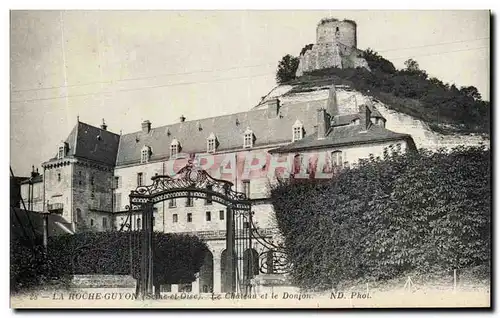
(92, 143)
(345, 135)
(268, 129)
(271, 127)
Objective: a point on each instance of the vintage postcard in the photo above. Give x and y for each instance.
(250, 159)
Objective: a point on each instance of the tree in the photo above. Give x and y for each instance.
(471, 91)
(377, 62)
(287, 68)
(412, 66)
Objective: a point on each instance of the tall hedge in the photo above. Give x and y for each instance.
(415, 212)
(177, 258)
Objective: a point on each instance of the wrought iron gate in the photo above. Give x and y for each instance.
(241, 232)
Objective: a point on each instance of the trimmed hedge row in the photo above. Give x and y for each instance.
(414, 212)
(177, 258)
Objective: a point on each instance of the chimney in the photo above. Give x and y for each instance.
(182, 118)
(273, 108)
(365, 116)
(332, 106)
(146, 126)
(322, 121)
(104, 126)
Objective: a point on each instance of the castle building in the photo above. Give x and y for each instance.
(335, 46)
(90, 177)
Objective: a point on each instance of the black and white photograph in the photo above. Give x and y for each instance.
(334, 159)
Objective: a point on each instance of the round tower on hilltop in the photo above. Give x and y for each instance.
(331, 30)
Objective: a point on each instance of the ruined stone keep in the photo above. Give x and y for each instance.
(335, 46)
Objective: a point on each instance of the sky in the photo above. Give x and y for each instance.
(130, 66)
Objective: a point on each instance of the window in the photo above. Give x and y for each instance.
(92, 180)
(116, 182)
(105, 222)
(91, 222)
(300, 164)
(117, 201)
(211, 143)
(62, 152)
(174, 148)
(185, 288)
(79, 173)
(337, 158)
(175, 218)
(166, 288)
(246, 225)
(208, 216)
(172, 203)
(246, 188)
(189, 200)
(139, 179)
(298, 131)
(221, 214)
(78, 215)
(208, 200)
(190, 217)
(139, 223)
(248, 139)
(59, 177)
(145, 154)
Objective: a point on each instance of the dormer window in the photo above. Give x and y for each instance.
(145, 154)
(298, 131)
(62, 151)
(211, 143)
(248, 139)
(174, 148)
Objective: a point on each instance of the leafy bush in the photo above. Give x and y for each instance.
(426, 212)
(287, 68)
(28, 266)
(176, 258)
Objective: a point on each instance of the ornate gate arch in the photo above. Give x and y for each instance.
(193, 182)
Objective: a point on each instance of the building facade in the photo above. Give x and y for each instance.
(89, 180)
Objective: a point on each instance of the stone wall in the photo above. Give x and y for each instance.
(335, 47)
(337, 31)
(58, 185)
(92, 196)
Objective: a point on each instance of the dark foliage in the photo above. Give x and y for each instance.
(377, 62)
(287, 68)
(444, 107)
(177, 258)
(412, 92)
(425, 212)
(28, 265)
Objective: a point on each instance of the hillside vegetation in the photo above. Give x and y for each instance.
(446, 108)
(425, 212)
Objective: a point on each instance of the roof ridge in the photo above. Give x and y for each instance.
(108, 131)
(202, 119)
